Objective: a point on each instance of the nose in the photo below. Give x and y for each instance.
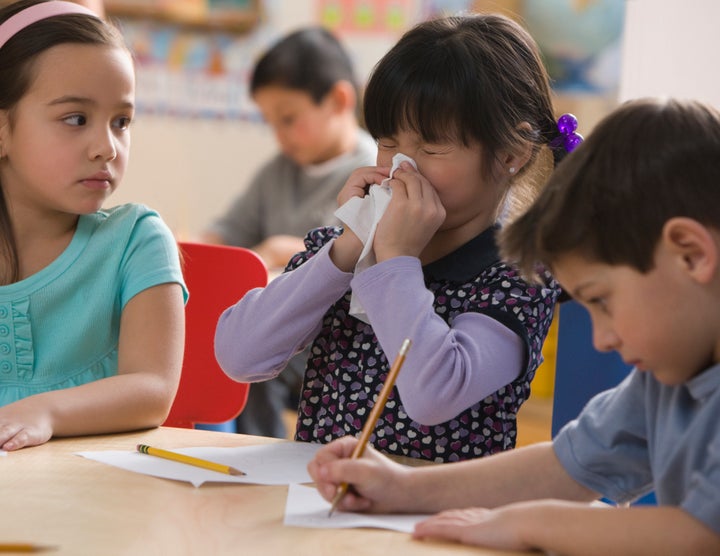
(604, 337)
(103, 144)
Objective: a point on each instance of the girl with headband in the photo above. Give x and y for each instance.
(91, 299)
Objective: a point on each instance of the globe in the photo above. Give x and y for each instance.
(575, 37)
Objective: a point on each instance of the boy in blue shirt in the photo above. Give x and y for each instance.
(630, 226)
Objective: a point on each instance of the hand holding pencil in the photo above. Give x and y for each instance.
(373, 417)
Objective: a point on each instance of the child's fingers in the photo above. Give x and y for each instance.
(327, 480)
(337, 449)
(473, 526)
(13, 437)
(449, 524)
(435, 529)
(415, 198)
(416, 186)
(356, 473)
(429, 528)
(345, 471)
(359, 180)
(351, 502)
(327, 469)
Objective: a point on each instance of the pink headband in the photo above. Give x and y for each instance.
(35, 13)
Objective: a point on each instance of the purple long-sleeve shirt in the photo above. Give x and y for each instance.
(477, 330)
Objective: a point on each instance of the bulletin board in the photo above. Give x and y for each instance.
(365, 16)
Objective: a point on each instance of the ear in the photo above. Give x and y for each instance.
(343, 96)
(513, 161)
(694, 245)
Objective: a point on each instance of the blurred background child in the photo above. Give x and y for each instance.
(306, 89)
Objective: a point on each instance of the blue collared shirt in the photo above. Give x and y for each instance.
(643, 436)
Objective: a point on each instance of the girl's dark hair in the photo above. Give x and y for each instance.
(310, 60)
(17, 63)
(647, 162)
(476, 78)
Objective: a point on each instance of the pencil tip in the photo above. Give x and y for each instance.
(234, 471)
(336, 499)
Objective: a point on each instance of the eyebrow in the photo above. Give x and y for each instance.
(70, 99)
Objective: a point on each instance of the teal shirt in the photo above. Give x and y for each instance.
(60, 327)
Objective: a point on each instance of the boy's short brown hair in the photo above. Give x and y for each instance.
(648, 161)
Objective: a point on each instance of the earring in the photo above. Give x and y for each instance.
(511, 170)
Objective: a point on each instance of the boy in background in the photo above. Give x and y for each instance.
(307, 92)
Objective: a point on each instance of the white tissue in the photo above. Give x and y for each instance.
(361, 215)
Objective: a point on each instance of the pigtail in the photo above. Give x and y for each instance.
(563, 137)
(552, 139)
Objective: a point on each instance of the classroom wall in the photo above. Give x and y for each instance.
(671, 49)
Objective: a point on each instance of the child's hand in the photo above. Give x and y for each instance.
(359, 182)
(412, 217)
(23, 424)
(346, 249)
(499, 528)
(476, 526)
(376, 482)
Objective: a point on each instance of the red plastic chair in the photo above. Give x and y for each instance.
(216, 277)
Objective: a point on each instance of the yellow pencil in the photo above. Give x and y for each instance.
(23, 547)
(373, 417)
(182, 458)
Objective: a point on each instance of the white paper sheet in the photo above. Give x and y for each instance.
(3, 453)
(306, 508)
(278, 463)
